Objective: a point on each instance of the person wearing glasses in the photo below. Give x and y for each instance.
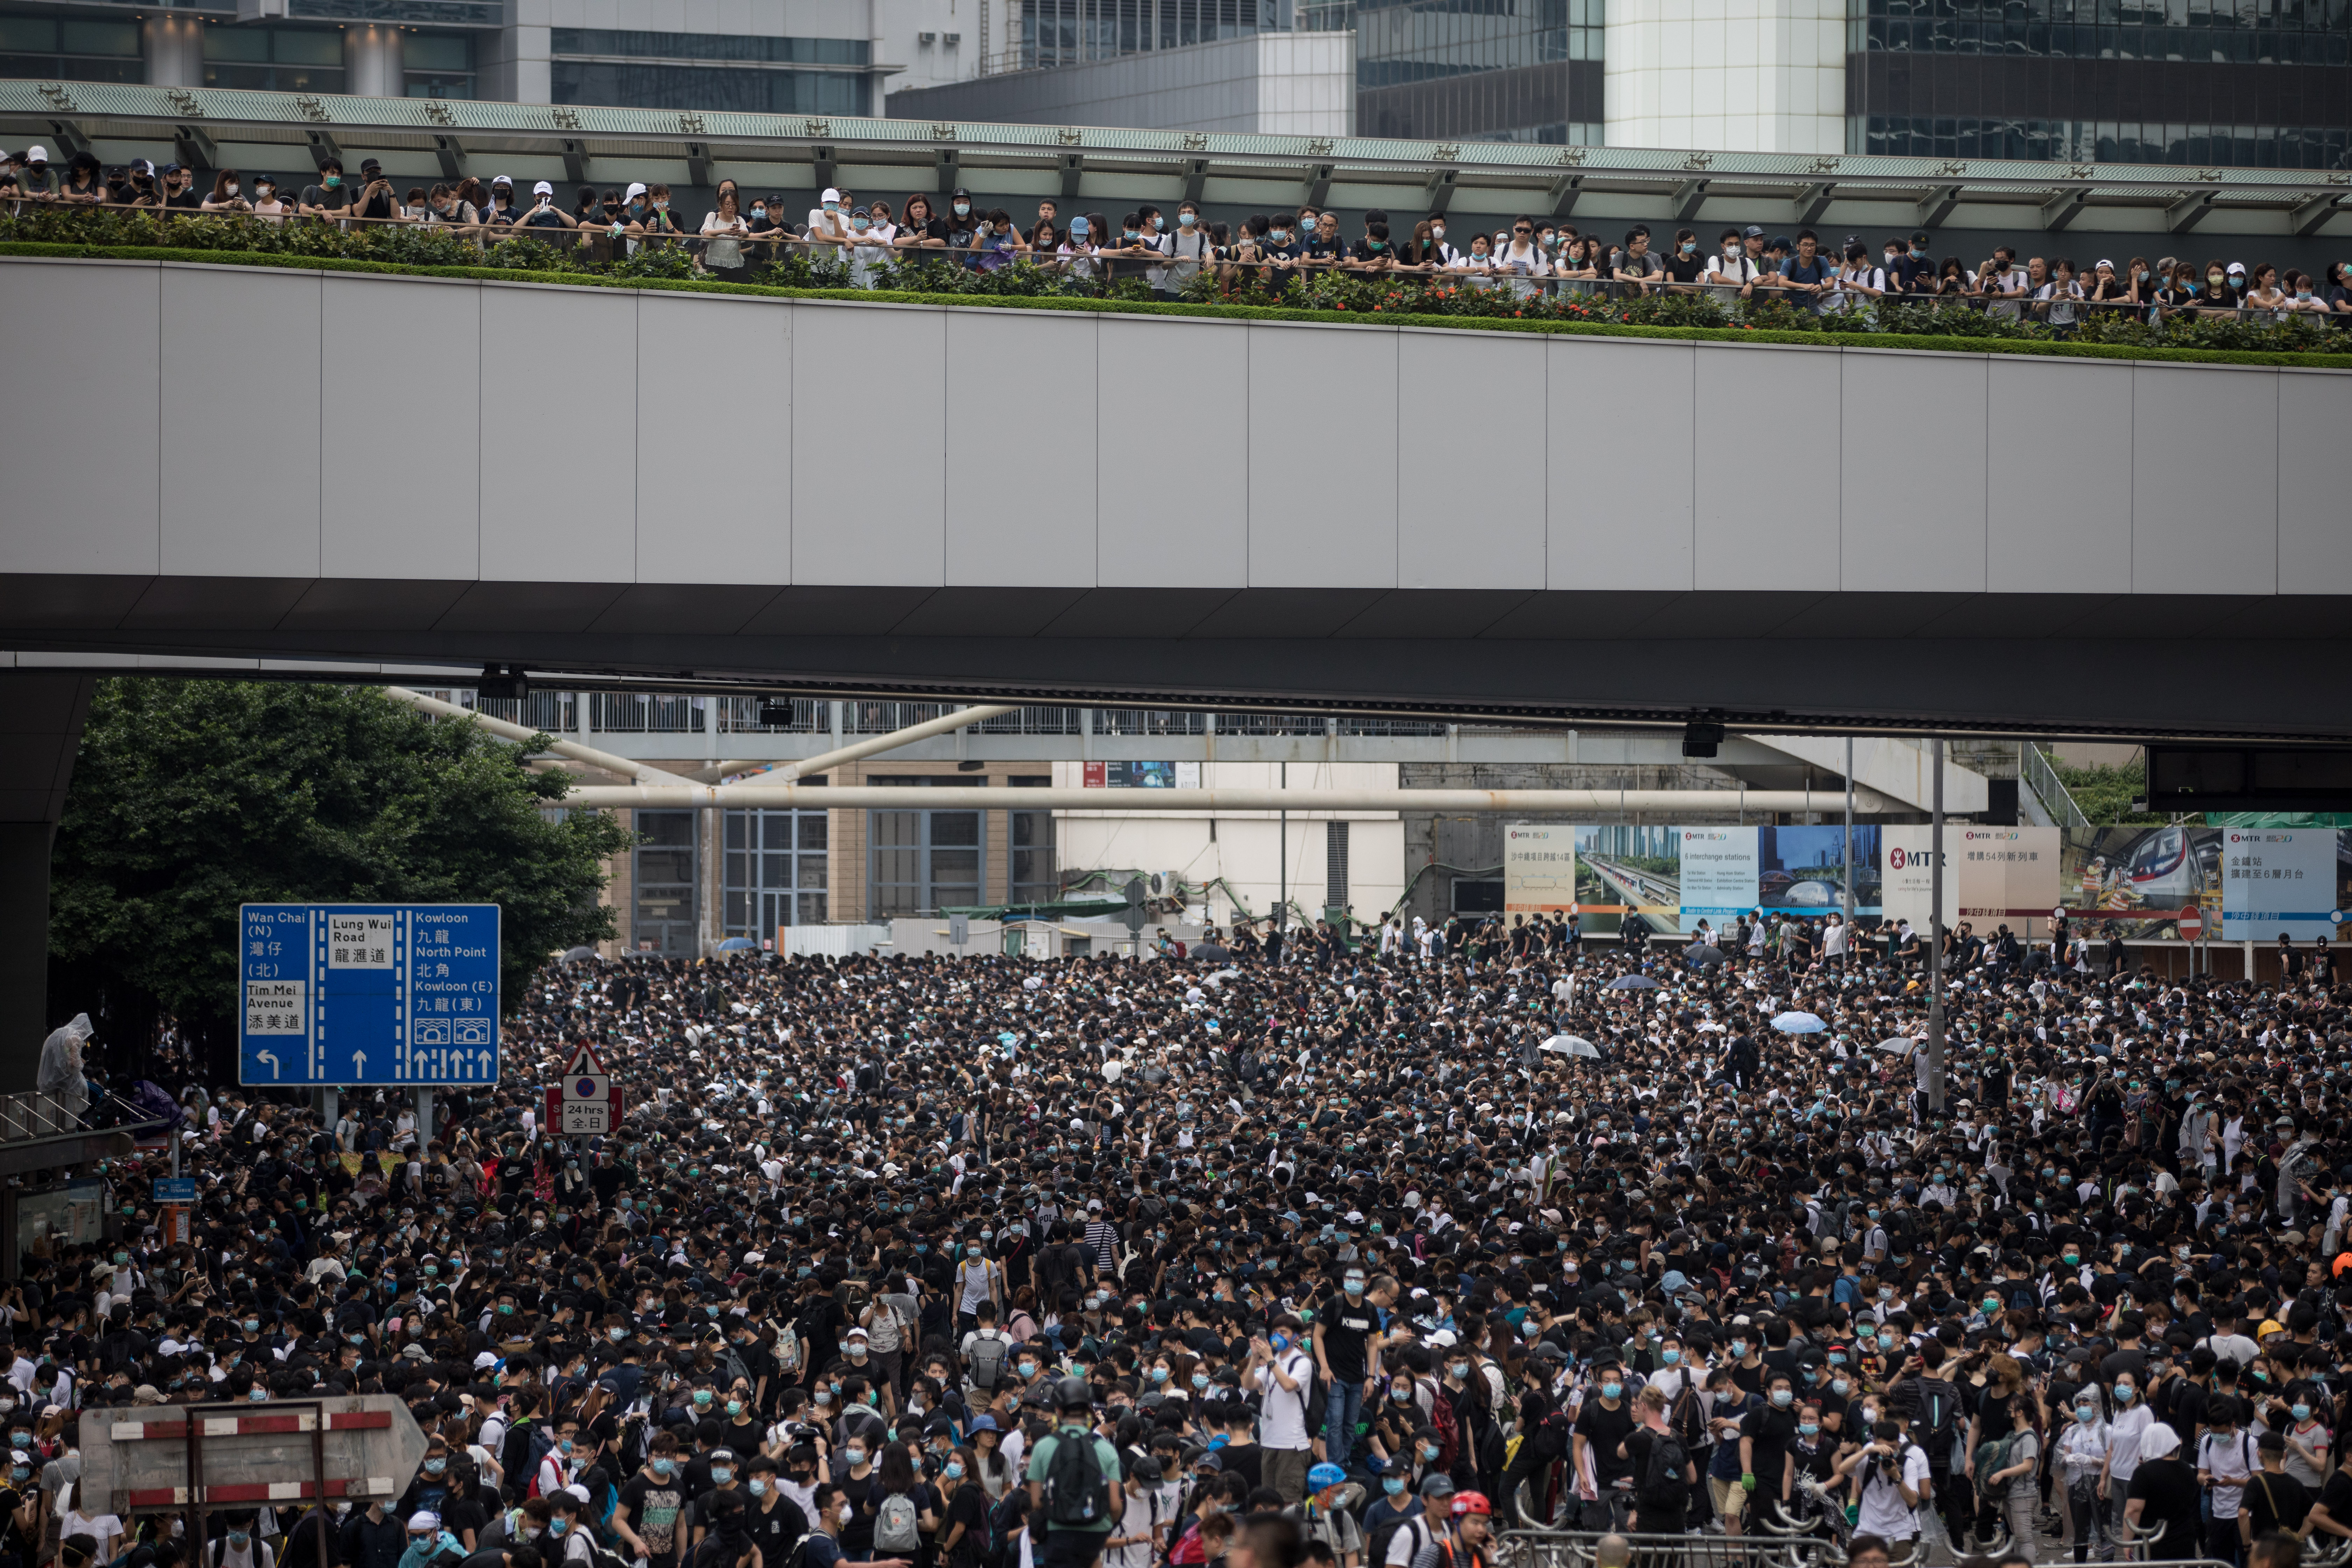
(1521, 259)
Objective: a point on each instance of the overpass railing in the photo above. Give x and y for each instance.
(1411, 274)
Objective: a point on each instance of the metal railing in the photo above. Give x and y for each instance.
(2033, 766)
(775, 716)
(645, 714)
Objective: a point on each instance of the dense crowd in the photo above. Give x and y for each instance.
(1356, 1254)
(1529, 257)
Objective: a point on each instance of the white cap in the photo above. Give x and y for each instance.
(543, 189)
(502, 179)
(637, 189)
(37, 153)
(830, 194)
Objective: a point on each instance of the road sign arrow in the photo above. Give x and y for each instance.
(359, 1065)
(583, 1061)
(267, 1057)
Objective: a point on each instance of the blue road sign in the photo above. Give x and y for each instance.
(176, 1189)
(368, 993)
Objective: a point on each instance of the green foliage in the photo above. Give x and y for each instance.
(2105, 793)
(1765, 321)
(192, 797)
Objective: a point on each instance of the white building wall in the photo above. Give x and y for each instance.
(1245, 848)
(1299, 84)
(1743, 76)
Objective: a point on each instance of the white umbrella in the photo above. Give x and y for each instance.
(1799, 1024)
(1897, 1044)
(1571, 1046)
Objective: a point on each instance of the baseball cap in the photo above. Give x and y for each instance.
(370, 163)
(543, 189)
(37, 153)
(503, 180)
(830, 194)
(2236, 266)
(1751, 232)
(636, 188)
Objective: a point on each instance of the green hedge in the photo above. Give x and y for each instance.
(1738, 335)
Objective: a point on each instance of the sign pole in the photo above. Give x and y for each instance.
(1848, 877)
(1936, 933)
(423, 1117)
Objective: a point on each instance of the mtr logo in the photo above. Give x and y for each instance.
(1694, 837)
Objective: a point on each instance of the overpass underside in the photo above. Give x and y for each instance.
(221, 465)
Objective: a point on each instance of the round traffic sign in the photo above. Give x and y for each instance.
(2191, 921)
(587, 1089)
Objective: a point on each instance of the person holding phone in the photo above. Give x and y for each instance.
(543, 214)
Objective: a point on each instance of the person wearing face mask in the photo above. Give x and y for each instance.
(1683, 264)
(1730, 274)
(646, 1518)
(1280, 1373)
(963, 219)
(828, 225)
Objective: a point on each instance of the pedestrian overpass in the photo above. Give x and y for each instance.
(1078, 506)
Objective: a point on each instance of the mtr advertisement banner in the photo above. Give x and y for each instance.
(1674, 877)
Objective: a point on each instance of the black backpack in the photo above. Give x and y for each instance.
(1077, 1496)
(1937, 1422)
(1376, 1550)
(1667, 1458)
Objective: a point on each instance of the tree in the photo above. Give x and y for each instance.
(192, 797)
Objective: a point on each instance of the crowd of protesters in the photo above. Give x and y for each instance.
(1167, 251)
(1350, 1253)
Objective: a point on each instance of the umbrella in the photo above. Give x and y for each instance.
(1632, 983)
(1571, 1046)
(1896, 1045)
(1799, 1024)
(574, 954)
(739, 944)
(1703, 954)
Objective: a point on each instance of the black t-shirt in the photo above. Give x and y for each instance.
(858, 1535)
(2168, 1492)
(968, 1508)
(1603, 1429)
(1346, 1328)
(774, 1529)
(333, 200)
(2276, 1502)
(1686, 269)
(655, 1514)
(1773, 1430)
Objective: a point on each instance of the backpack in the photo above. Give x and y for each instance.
(787, 1347)
(1076, 1495)
(987, 1360)
(1994, 1455)
(1551, 1437)
(1003, 1519)
(1667, 1458)
(1376, 1550)
(1939, 1420)
(895, 1527)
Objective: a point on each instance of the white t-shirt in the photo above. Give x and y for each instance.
(1884, 1512)
(1283, 1418)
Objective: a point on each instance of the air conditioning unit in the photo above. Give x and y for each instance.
(954, 39)
(927, 39)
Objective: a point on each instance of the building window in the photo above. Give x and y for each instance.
(274, 60)
(1486, 70)
(921, 862)
(1335, 865)
(633, 44)
(70, 48)
(665, 883)
(725, 89)
(775, 871)
(439, 65)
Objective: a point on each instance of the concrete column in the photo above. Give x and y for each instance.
(372, 66)
(40, 729)
(175, 47)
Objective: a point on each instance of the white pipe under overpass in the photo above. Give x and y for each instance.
(881, 797)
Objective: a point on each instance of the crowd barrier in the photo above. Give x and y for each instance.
(602, 241)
